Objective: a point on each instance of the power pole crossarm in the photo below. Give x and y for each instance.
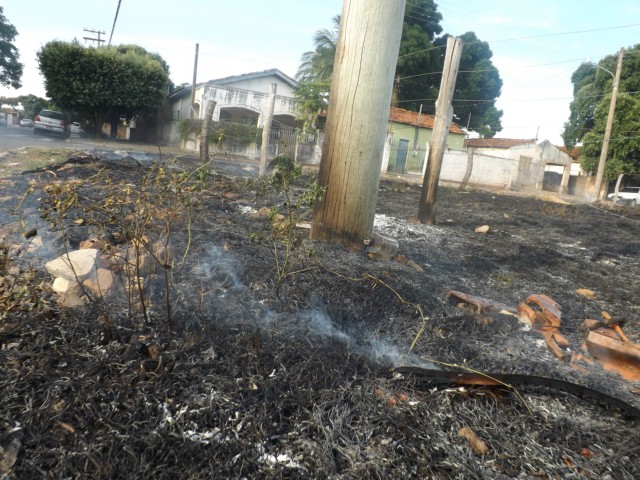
(607, 132)
(97, 32)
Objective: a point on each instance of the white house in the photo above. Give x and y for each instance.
(239, 99)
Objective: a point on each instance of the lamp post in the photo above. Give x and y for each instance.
(607, 131)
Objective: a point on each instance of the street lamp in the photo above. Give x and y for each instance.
(607, 131)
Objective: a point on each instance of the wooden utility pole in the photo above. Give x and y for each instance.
(438, 142)
(362, 81)
(598, 194)
(266, 128)
(467, 173)
(193, 83)
(206, 128)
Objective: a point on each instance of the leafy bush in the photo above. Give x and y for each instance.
(222, 134)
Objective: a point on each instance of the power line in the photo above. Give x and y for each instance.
(527, 37)
(495, 68)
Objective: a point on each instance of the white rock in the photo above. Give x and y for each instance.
(82, 262)
(61, 285)
(482, 229)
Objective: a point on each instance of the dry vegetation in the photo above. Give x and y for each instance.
(241, 382)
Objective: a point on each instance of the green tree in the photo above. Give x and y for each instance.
(317, 65)
(313, 98)
(105, 84)
(419, 67)
(418, 56)
(478, 86)
(586, 95)
(623, 155)
(592, 87)
(32, 105)
(10, 67)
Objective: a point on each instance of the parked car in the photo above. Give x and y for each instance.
(25, 122)
(76, 128)
(50, 121)
(627, 195)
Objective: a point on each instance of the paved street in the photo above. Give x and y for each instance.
(16, 137)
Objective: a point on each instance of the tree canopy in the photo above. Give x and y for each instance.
(317, 64)
(32, 105)
(419, 69)
(478, 86)
(106, 83)
(592, 87)
(10, 67)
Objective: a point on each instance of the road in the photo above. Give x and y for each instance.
(16, 137)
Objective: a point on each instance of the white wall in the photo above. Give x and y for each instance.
(232, 97)
(487, 170)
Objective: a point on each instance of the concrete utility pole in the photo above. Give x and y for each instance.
(266, 128)
(204, 135)
(98, 32)
(444, 115)
(361, 85)
(598, 194)
(115, 19)
(193, 84)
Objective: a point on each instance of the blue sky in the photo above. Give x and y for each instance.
(531, 49)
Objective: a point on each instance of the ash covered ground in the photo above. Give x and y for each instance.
(254, 383)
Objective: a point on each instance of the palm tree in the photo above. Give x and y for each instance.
(317, 65)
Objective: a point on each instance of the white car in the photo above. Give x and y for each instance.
(627, 195)
(76, 128)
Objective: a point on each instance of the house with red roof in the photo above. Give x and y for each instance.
(408, 136)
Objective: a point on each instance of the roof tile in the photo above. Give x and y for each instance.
(498, 142)
(400, 115)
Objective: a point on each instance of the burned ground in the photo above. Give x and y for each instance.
(254, 384)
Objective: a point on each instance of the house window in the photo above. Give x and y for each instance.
(177, 115)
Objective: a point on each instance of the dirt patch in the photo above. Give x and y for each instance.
(29, 158)
(250, 384)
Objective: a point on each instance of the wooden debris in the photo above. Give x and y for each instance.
(478, 445)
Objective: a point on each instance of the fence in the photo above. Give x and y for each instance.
(298, 143)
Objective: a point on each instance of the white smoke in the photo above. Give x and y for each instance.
(217, 267)
(380, 350)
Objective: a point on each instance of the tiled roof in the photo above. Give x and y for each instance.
(574, 153)
(181, 92)
(498, 142)
(400, 115)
